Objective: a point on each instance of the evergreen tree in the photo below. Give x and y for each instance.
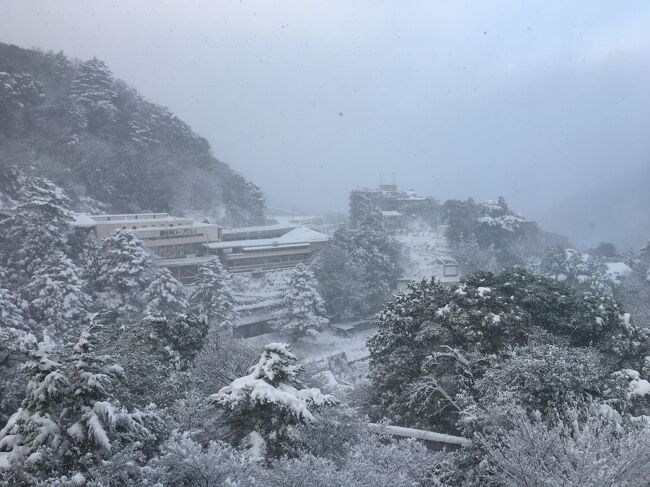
(12, 310)
(434, 343)
(124, 271)
(96, 424)
(302, 308)
(581, 271)
(14, 347)
(262, 406)
(19, 94)
(358, 271)
(57, 301)
(93, 92)
(38, 227)
(33, 435)
(70, 422)
(165, 294)
(88, 256)
(213, 296)
(153, 351)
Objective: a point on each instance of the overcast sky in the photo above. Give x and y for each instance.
(530, 100)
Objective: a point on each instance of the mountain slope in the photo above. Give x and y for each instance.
(618, 212)
(107, 146)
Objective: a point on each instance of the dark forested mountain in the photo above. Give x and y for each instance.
(110, 148)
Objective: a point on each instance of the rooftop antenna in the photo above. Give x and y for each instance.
(381, 178)
(394, 179)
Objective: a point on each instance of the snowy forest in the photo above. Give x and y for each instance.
(170, 319)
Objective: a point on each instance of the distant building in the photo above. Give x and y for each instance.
(392, 203)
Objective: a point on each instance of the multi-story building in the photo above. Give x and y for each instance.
(177, 243)
(392, 203)
(182, 245)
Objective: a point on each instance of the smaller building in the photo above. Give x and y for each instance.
(267, 248)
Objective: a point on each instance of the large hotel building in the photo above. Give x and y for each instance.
(181, 244)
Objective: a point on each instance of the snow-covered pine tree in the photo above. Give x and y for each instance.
(302, 307)
(153, 350)
(14, 347)
(15, 341)
(95, 422)
(70, 421)
(38, 227)
(262, 406)
(33, 435)
(93, 94)
(213, 296)
(165, 294)
(57, 300)
(90, 249)
(357, 272)
(12, 308)
(124, 270)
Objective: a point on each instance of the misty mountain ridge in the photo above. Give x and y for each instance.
(107, 146)
(617, 212)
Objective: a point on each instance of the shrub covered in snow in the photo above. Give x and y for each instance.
(595, 450)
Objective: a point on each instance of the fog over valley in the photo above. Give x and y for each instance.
(537, 102)
(324, 244)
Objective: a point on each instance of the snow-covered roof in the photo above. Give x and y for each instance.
(303, 234)
(86, 220)
(259, 228)
(277, 245)
(83, 220)
(296, 237)
(391, 213)
(412, 198)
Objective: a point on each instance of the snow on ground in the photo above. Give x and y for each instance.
(250, 289)
(323, 345)
(4, 460)
(336, 364)
(422, 245)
